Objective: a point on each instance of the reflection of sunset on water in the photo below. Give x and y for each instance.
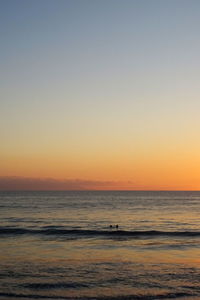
(61, 243)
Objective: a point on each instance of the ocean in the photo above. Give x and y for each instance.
(60, 245)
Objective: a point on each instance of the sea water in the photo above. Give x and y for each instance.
(60, 245)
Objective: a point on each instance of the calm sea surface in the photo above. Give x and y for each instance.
(59, 245)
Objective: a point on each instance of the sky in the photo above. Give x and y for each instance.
(100, 94)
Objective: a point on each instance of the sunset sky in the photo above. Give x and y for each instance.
(100, 94)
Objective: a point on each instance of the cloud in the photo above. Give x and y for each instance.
(8, 183)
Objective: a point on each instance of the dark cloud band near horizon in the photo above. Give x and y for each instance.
(9, 183)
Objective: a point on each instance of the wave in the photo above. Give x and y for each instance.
(83, 232)
(58, 285)
(120, 297)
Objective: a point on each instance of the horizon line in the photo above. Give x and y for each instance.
(96, 190)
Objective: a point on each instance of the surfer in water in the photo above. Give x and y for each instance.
(116, 226)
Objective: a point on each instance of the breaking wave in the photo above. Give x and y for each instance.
(128, 297)
(82, 232)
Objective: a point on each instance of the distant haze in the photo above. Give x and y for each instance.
(22, 183)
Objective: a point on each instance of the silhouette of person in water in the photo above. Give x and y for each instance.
(116, 226)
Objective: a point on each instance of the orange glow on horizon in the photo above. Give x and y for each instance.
(126, 167)
(123, 173)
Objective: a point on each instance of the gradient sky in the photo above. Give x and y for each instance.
(101, 91)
